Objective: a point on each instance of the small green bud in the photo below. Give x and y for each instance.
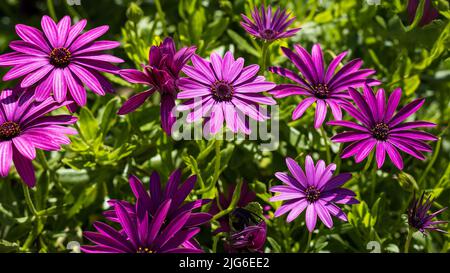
(134, 12)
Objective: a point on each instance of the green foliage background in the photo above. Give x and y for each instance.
(74, 184)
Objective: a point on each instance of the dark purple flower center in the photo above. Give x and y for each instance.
(222, 91)
(312, 194)
(9, 130)
(144, 250)
(268, 34)
(321, 91)
(380, 131)
(60, 57)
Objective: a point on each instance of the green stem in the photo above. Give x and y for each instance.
(337, 159)
(373, 181)
(216, 240)
(433, 159)
(264, 49)
(42, 159)
(408, 240)
(233, 204)
(26, 192)
(327, 144)
(218, 144)
(308, 242)
(51, 9)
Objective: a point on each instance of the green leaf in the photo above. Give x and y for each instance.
(275, 246)
(243, 44)
(88, 124)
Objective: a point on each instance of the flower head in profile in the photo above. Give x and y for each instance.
(143, 232)
(267, 25)
(248, 232)
(429, 14)
(420, 219)
(224, 200)
(61, 61)
(315, 190)
(151, 200)
(222, 89)
(24, 127)
(319, 84)
(380, 127)
(161, 74)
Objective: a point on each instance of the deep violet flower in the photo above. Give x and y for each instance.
(268, 26)
(224, 90)
(248, 234)
(24, 127)
(61, 59)
(161, 74)
(315, 190)
(418, 217)
(143, 233)
(224, 201)
(430, 13)
(319, 85)
(380, 128)
(153, 199)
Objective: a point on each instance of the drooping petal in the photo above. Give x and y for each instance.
(24, 167)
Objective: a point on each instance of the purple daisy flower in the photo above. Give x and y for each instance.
(161, 74)
(419, 218)
(268, 26)
(430, 13)
(250, 239)
(153, 199)
(61, 59)
(143, 232)
(319, 85)
(315, 190)
(224, 90)
(248, 234)
(383, 129)
(25, 128)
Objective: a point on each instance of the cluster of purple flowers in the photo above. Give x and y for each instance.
(56, 65)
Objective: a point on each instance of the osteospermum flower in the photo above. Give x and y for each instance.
(161, 74)
(418, 217)
(269, 26)
(152, 200)
(315, 190)
(61, 59)
(319, 85)
(224, 90)
(143, 233)
(24, 127)
(381, 128)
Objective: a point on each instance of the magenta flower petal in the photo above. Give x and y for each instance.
(42, 59)
(420, 219)
(269, 26)
(383, 129)
(143, 232)
(228, 92)
(162, 75)
(315, 190)
(24, 127)
(324, 86)
(5, 157)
